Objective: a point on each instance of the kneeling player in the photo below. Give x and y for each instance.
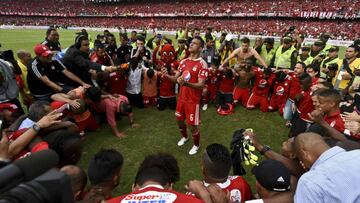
(262, 86)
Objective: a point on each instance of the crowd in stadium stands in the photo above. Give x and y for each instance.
(187, 7)
(63, 90)
(52, 100)
(272, 27)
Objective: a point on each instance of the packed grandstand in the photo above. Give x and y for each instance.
(265, 75)
(341, 18)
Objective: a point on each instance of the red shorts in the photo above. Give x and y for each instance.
(89, 124)
(241, 95)
(188, 111)
(275, 104)
(256, 100)
(149, 101)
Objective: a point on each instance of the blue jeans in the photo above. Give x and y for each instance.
(288, 113)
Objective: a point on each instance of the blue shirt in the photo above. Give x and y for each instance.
(334, 177)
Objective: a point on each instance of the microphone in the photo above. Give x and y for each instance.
(27, 168)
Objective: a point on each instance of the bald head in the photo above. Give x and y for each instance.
(308, 147)
(24, 56)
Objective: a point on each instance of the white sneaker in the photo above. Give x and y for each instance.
(204, 107)
(194, 150)
(182, 141)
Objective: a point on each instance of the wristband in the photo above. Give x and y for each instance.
(264, 149)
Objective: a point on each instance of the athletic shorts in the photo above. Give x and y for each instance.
(241, 95)
(188, 111)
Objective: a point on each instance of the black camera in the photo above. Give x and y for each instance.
(29, 180)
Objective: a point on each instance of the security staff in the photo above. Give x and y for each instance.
(285, 56)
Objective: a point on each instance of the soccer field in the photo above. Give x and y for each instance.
(158, 131)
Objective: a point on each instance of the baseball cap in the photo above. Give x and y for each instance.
(272, 175)
(287, 40)
(181, 41)
(82, 32)
(319, 43)
(305, 48)
(269, 40)
(42, 50)
(333, 48)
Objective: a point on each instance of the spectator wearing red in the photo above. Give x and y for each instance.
(261, 90)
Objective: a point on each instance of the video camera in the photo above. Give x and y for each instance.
(32, 179)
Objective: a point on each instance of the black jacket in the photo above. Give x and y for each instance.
(79, 63)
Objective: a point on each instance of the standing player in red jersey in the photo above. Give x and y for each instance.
(191, 76)
(260, 93)
(280, 93)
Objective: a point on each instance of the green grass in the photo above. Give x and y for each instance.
(158, 131)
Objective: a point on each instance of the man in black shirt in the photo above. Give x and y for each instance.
(77, 60)
(124, 51)
(52, 40)
(46, 76)
(111, 47)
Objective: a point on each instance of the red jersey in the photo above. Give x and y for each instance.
(192, 71)
(104, 60)
(226, 85)
(335, 121)
(262, 85)
(280, 92)
(167, 88)
(116, 84)
(155, 194)
(238, 188)
(305, 105)
(212, 78)
(294, 86)
(314, 81)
